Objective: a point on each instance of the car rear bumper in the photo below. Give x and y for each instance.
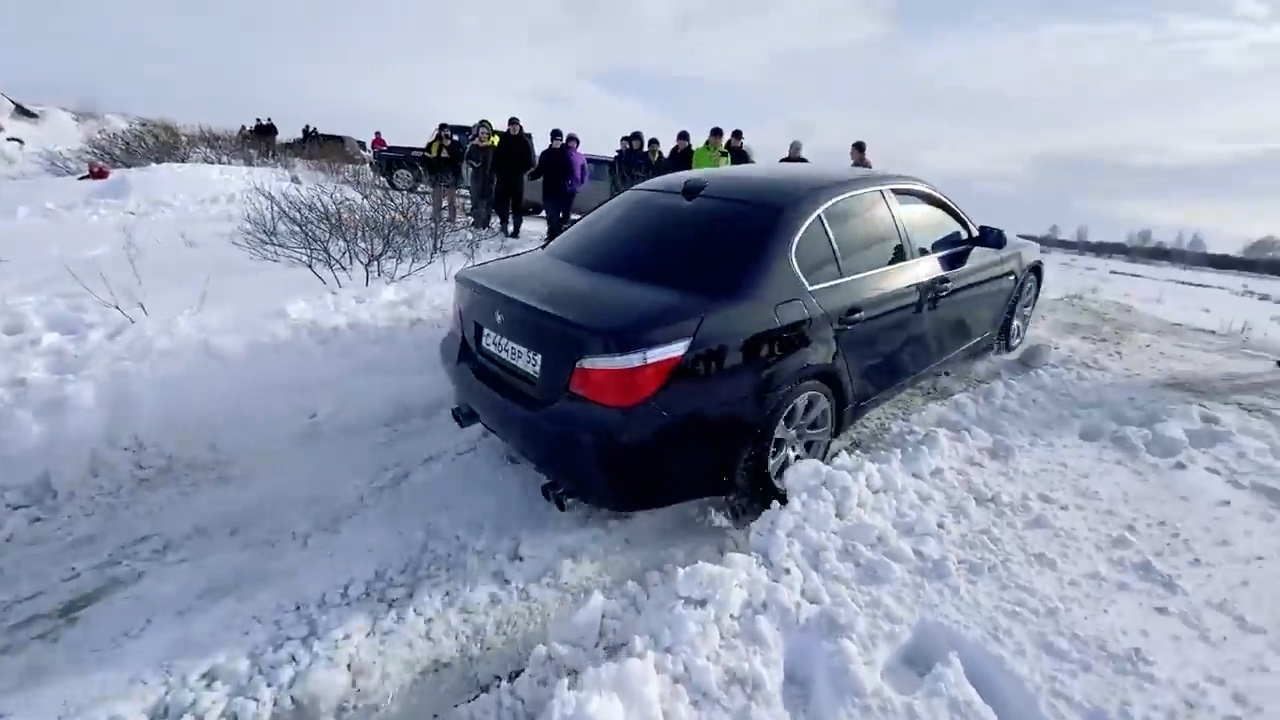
(620, 460)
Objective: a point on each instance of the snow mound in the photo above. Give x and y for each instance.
(1052, 545)
(54, 130)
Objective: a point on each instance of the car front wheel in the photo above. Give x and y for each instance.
(402, 179)
(800, 426)
(1018, 320)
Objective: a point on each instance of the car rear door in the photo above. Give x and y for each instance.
(965, 302)
(875, 298)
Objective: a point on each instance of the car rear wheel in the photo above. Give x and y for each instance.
(801, 426)
(1018, 321)
(403, 179)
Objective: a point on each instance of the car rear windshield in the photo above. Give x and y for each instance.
(705, 246)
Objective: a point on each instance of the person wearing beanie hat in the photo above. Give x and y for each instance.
(657, 161)
(555, 170)
(681, 155)
(795, 153)
(712, 154)
(512, 161)
(738, 152)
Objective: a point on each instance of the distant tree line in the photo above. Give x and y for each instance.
(1260, 256)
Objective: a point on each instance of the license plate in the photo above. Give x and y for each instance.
(522, 357)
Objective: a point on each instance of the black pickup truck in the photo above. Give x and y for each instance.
(402, 165)
(404, 168)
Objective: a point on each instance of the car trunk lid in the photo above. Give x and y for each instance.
(529, 318)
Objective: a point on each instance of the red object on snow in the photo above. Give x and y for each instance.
(378, 143)
(98, 171)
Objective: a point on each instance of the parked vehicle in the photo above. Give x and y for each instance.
(702, 332)
(402, 165)
(336, 148)
(599, 170)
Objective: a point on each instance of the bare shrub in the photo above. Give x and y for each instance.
(348, 227)
(155, 142)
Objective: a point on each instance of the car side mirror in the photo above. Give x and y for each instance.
(991, 237)
(950, 241)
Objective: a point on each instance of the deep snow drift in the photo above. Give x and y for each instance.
(249, 502)
(55, 129)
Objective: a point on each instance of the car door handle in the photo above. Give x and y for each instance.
(942, 287)
(852, 317)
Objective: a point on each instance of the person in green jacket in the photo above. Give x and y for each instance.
(712, 154)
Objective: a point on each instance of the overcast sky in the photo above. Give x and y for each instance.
(1114, 113)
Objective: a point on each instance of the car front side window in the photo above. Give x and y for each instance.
(865, 233)
(930, 224)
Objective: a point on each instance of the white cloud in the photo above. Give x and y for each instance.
(992, 101)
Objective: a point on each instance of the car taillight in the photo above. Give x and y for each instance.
(622, 381)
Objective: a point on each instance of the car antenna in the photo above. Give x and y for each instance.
(692, 188)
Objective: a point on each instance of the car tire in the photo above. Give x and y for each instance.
(756, 486)
(1017, 319)
(403, 179)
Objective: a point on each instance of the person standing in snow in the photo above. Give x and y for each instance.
(443, 158)
(271, 133)
(555, 170)
(618, 172)
(681, 156)
(858, 154)
(795, 153)
(512, 161)
(378, 142)
(479, 160)
(712, 154)
(738, 152)
(657, 162)
(578, 179)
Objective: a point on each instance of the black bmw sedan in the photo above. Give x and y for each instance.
(701, 332)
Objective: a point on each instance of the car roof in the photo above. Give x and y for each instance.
(604, 158)
(777, 183)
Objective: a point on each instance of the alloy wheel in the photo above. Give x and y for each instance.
(804, 432)
(1025, 307)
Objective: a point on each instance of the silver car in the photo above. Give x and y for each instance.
(590, 197)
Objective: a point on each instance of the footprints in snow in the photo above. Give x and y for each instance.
(935, 665)
(937, 659)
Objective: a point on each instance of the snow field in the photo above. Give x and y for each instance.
(1246, 307)
(1054, 544)
(249, 502)
(248, 486)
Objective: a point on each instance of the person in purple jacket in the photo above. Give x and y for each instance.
(578, 179)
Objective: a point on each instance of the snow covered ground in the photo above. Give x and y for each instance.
(56, 129)
(1245, 306)
(248, 501)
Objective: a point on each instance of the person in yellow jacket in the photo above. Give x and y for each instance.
(712, 154)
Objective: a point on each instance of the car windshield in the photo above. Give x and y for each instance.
(706, 246)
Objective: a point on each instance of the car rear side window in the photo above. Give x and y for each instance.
(865, 233)
(598, 171)
(815, 257)
(930, 225)
(706, 246)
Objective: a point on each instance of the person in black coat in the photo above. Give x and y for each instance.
(795, 153)
(512, 161)
(555, 169)
(681, 155)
